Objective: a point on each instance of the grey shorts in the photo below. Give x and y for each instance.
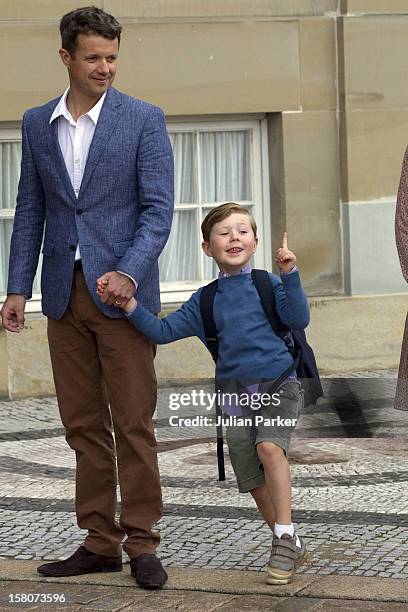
(271, 424)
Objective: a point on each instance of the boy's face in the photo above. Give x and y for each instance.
(232, 243)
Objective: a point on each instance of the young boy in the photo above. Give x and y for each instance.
(248, 350)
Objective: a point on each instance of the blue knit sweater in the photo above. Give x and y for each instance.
(248, 347)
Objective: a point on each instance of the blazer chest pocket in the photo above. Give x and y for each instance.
(120, 247)
(48, 249)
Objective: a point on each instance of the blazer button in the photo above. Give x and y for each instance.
(79, 211)
(72, 247)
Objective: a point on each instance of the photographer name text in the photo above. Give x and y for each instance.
(230, 421)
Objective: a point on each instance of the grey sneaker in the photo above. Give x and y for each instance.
(285, 558)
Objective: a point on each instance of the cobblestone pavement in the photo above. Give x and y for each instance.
(350, 495)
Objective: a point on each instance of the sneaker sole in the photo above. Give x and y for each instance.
(282, 577)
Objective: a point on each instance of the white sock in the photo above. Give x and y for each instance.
(279, 530)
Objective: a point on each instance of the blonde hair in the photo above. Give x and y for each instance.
(219, 213)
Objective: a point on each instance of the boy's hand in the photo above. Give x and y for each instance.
(101, 285)
(130, 306)
(119, 294)
(284, 258)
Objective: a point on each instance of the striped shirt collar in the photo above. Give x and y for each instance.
(245, 270)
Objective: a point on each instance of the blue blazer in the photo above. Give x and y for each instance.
(121, 217)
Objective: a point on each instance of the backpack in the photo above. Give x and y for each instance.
(295, 340)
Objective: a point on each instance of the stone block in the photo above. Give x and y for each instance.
(318, 63)
(227, 67)
(375, 54)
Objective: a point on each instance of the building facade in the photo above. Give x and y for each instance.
(296, 108)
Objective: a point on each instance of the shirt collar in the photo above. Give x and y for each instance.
(62, 109)
(245, 270)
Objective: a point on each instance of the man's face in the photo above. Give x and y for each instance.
(92, 69)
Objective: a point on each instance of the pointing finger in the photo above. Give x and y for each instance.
(285, 240)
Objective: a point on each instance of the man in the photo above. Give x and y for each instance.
(97, 168)
(401, 236)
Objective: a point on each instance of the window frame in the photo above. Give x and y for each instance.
(179, 291)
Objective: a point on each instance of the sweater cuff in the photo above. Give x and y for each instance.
(294, 269)
(291, 279)
(130, 312)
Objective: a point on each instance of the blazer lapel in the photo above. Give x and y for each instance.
(107, 121)
(59, 160)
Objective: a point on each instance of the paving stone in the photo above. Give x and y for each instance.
(346, 493)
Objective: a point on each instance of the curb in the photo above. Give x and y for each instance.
(230, 582)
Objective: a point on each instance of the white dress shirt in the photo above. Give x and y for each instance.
(74, 139)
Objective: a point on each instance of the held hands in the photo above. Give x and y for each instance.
(285, 259)
(116, 290)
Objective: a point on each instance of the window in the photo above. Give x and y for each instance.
(10, 158)
(214, 163)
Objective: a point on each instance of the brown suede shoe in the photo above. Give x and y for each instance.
(148, 571)
(83, 561)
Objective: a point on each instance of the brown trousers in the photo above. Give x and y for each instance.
(99, 362)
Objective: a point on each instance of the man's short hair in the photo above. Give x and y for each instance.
(87, 20)
(219, 213)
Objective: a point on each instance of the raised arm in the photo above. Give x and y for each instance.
(291, 301)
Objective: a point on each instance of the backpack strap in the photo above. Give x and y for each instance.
(207, 296)
(266, 293)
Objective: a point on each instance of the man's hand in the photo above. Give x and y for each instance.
(12, 313)
(115, 289)
(284, 258)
